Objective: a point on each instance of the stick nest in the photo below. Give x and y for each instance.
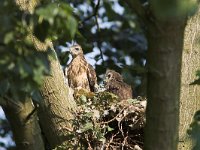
(104, 122)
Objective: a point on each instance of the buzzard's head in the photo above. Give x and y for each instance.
(76, 50)
(112, 75)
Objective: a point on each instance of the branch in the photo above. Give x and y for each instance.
(98, 39)
(98, 32)
(94, 13)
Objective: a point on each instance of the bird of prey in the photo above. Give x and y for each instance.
(80, 74)
(114, 83)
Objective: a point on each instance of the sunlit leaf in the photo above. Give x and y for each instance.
(87, 126)
(8, 37)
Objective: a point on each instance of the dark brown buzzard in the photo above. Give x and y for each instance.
(114, 83)
(80, 74)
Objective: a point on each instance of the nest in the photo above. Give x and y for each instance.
(104, 122)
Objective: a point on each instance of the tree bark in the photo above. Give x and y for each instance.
(164, 66)
(190, 94)
(56, 108)
(24, 123)
(165, 43)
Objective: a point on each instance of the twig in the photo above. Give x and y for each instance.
(99, 38)
(68, 129)
(99, 32)
(88, 141)
(120, 128)
(114, 118)
(111, 140)
(95, 14)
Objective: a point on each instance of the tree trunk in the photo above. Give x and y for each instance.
(24, 123)
(165, 43)
(57, 105)
(190, 94)
(165, 39)
(55, 110)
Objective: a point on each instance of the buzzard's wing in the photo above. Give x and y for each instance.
(91, 75)
(65, 72)
(113, 86)
(67, 75)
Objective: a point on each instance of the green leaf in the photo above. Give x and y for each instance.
(132, 101)
(110, 129)
(71, 26)
(48, 12)
(83, 98)
(87, 127)
(22, 69)
(8, 37)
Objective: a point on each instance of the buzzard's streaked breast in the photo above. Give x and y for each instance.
(79, 74)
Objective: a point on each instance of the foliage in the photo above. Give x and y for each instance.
(22, 67)
(63, 21)
(55, 21)
(116, 36)
(102, 121)
(111, 28)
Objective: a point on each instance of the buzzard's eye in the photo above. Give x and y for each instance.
(109, 76)
(77, 48)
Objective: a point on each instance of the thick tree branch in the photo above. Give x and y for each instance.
(24, 124)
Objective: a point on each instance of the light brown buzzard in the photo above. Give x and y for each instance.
(80, 74)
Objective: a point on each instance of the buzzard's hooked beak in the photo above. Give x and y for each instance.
(70, 50)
